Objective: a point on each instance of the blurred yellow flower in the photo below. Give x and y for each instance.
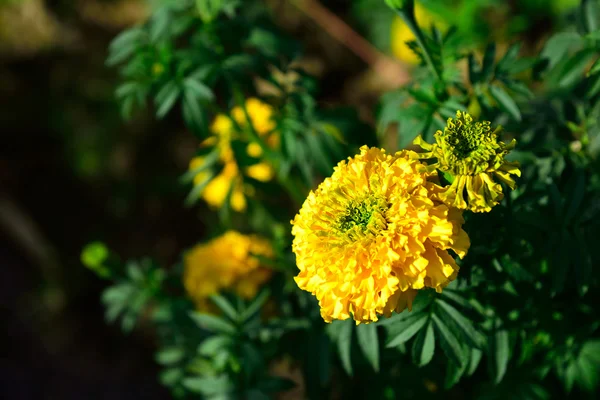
(401, 33)
(228, 262)
(472, 155)
(371, 235)
(230, 177)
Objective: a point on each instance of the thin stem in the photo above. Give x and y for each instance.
(392, 70)
(411, 22)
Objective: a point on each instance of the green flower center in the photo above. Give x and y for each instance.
(465, 137)
(468, 147)
(363, 216)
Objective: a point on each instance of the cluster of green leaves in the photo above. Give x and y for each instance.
(208, 56)
(217, 355)
(530, 267)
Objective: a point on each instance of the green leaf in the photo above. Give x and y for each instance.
(487, 66)
(403, 330)
(170, 355)
(509, 57)
(208, 386)
(466, 328)
(171, 376)
(591, 15)
(474, 361)
(369, 343)
(559, 45)
(424, 346)
(498, 354)
(453, 374)
(506, 103)
(225, 306)
(214, 345)
(344, 344)
(198, 90)
(166, 98)
(212, 323)
(573, 69)
(256, 305)
(448, 341)
(595, 68)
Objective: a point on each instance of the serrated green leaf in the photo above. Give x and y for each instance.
(424, 346)
(466, 328)
(402, 331)
(506, 103)
(369, 343)
(212, 323)
(448, 341)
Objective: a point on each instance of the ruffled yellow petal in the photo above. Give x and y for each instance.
(369, 236)
(228, 262)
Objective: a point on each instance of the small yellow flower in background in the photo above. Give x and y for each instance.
(229, 263)
(401, 33)
(371, 235)
(230, 177)
(471, 153)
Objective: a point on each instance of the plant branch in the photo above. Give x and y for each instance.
(390, 69)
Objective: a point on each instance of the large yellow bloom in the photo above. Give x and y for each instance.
(371, 235)
(230, 177)
(401, 33)
(471, 155)
(228, 262)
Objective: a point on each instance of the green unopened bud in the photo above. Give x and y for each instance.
(94, 257)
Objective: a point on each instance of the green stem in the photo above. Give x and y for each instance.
(407, 13)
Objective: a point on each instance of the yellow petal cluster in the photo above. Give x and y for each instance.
(401, 33)
(371, 235)
(472, 157)
(228, 262)
(230, 177)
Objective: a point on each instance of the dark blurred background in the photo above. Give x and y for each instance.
(72, 171)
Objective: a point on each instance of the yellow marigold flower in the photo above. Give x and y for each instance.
(228, 262)
(371, 235)
(472, 155)
(401, 33)
(223, 130)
